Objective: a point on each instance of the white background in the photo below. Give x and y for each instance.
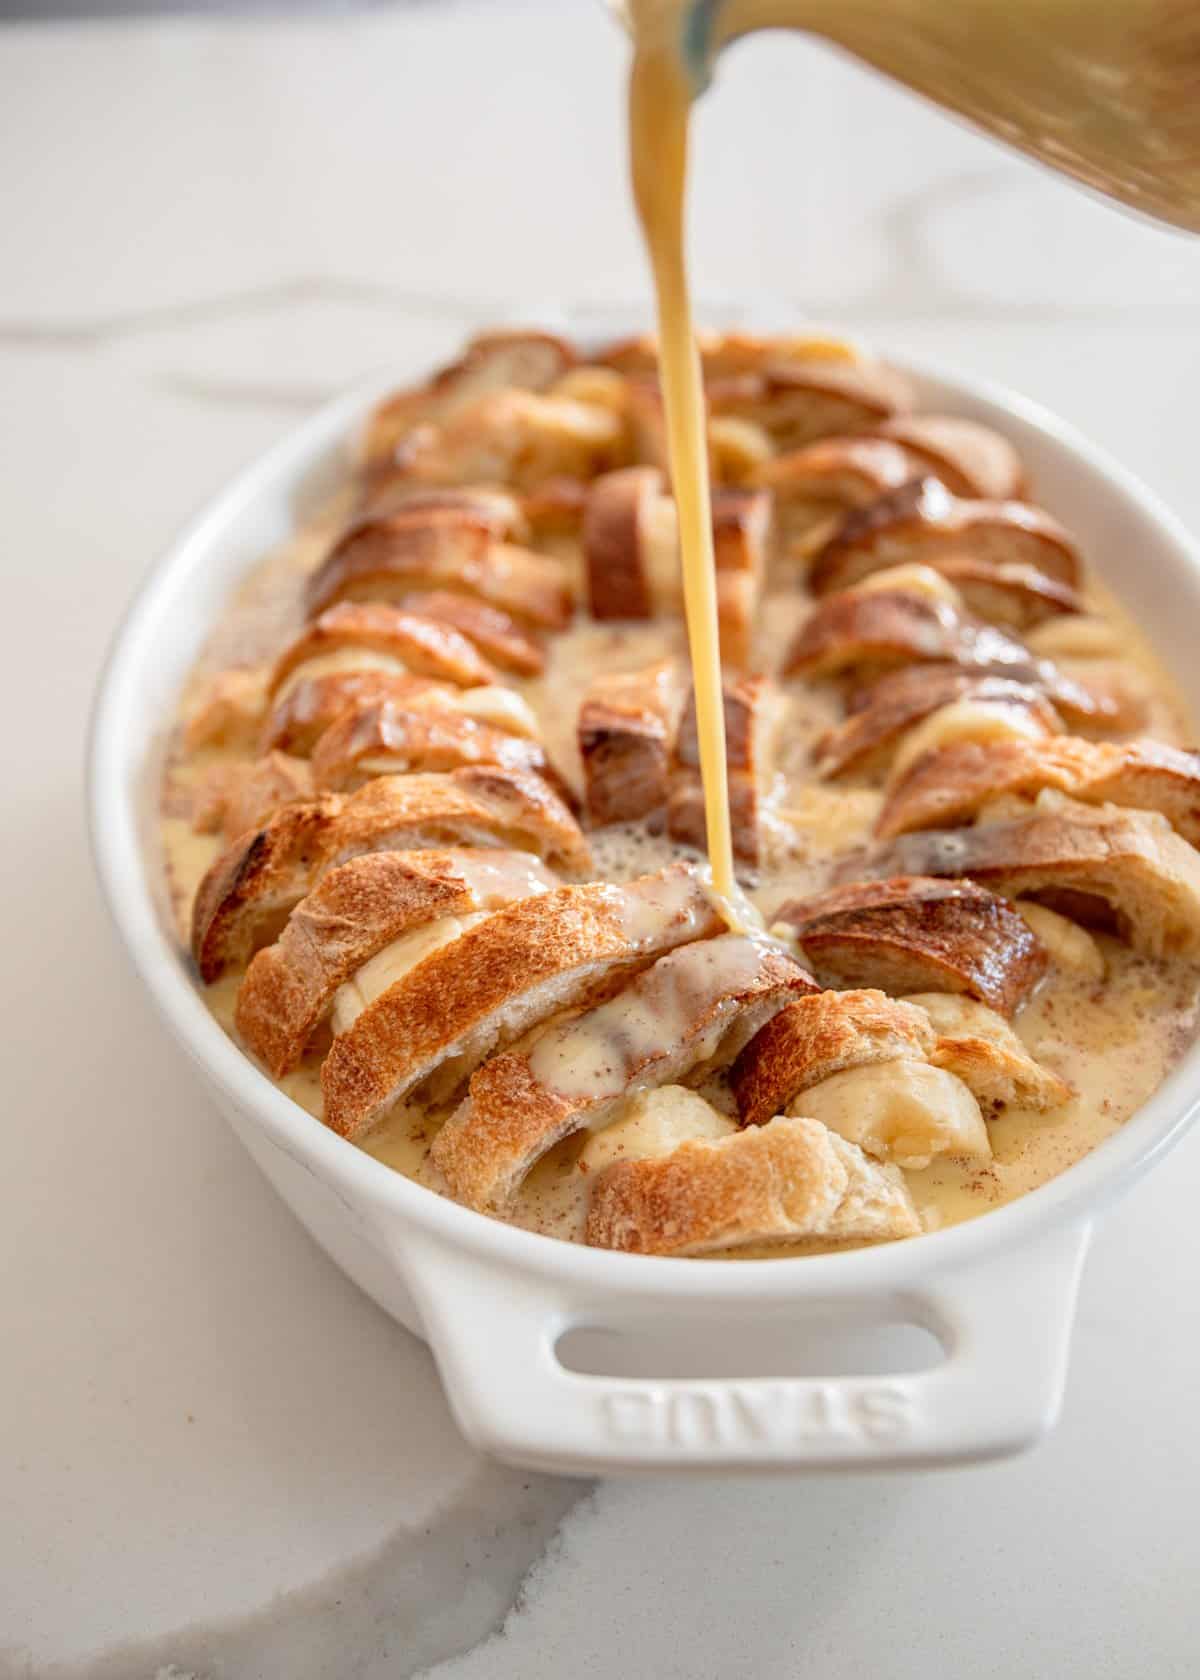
(215, 1455)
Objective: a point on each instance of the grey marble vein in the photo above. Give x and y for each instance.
(426, 1595)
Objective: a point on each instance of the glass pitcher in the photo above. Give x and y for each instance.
(1106, 91)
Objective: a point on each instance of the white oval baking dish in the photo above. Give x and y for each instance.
(998, 1292)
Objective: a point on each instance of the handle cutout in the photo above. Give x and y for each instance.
(800, 1346)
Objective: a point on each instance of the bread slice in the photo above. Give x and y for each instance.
(1101, 865)
(524, 964)
(945, 788)
(252, 887)
(787, 1181)
(979, 1047)
(1012, 594)
(494, 361)
(970, 459)
(825, 481)
(878, 628)
(752, 719)
(236, 797)
(386, 559)
(798, 400)
(388, 738)
(491, 504)
(743, 521)
(923, 522)
(726, 353)
(523, 439)
(819, 1036)
(619, 536)
(898, 702)
(670, 1019)
(627, 726)
(495, 634)
(870, 631)
(356, 911)
(423, 647)
(227, 712)
(914, 933)
(310, 706)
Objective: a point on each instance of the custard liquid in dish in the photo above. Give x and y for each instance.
(923, 683)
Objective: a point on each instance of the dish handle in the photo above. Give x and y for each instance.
(1004, 1327)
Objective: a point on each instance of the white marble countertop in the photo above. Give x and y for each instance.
(218, 1459)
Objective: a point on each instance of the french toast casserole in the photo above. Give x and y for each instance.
(434, 827)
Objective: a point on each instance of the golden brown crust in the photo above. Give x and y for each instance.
(249, 890)
(866, 738)
(499, 979)
(388, 738)
(948, 787)
(742, 522)
(523, 438)
(627, 727)
(299, 718)
(797, 401)
(924, 523)
(235, 797)
(614, 537)
(818, 1036)
(1000, 1073)
(873, 630)
(917, 934)
(1102, 865)
(492, 361)
(829, 479)
(352, 914)
(1015, 595)
(423, 646)
(750, 719)
(784, 1181)
(971, 460)
(252, 887)
(882, 627)
(496, 635)
(386, 559)
(491, 504)
(515, 1112)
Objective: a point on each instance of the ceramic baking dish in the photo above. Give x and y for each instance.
(688, 1364)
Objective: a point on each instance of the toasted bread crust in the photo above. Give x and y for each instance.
(381, 559)
(237, 797)
(265, 873)
(1015, 595)
(496, 981)
(948, 787)
(875, 629)
(497, 635)
(614, 533)
(971, 460)
(1125, 869)
(423, 646)
(919, 934)
(299, 718)
(493, 361)
(818, 1036)
(749, 708)
(900, 700)
(627, 727)
(837, 473)
(1000, 1073)
(923, 522)
(786, 1180)
(352, 914)
(254, 883)
(386, 737)
(512, 1116)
